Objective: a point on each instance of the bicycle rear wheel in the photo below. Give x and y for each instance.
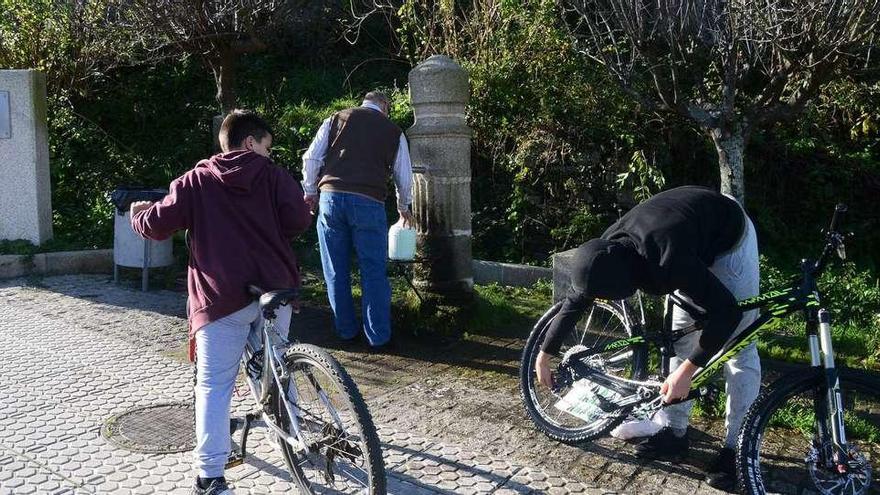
(779, 450)
(603, 323)
(343, 454)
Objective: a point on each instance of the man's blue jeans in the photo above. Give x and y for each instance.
(346, 222)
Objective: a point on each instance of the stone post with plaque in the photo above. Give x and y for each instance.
(25, 191)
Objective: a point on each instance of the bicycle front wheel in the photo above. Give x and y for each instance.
(603, 323)
(343, 453)
(780, 450)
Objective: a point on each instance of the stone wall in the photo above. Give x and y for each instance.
(58, 263)
(561, 273)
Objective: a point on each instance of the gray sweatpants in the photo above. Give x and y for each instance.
(738, 271)
(219, 345)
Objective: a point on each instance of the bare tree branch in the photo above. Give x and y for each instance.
(217, 31)
(741, 57)
(727, 65)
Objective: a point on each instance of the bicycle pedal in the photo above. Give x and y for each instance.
(255, 365)
(234, 424)
(234, 460)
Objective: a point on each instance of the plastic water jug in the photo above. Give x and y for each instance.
(401, 242)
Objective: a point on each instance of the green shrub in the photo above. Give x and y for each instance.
(147, 125)
(551, 132)
(145, 128)
(853, 297)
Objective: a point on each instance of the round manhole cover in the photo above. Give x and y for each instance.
(159, 428)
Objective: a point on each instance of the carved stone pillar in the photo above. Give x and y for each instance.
(440, 146)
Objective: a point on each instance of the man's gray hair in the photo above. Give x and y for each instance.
(376, 97)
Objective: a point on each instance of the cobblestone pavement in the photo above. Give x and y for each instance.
(78, 349)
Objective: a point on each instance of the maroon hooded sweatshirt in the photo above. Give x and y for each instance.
(241, 210)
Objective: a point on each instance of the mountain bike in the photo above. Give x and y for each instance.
(815, 430)
(313, 409)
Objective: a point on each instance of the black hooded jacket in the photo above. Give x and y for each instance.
(665, 244)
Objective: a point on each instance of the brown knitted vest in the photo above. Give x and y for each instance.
(362, 147)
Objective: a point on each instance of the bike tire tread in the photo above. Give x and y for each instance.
(748, 445)
(378, 481)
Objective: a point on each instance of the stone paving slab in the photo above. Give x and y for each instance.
(20, 475)
(60, 381)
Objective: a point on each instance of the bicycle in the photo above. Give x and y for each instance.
(810, 431)
(311, 444)
(312, 407)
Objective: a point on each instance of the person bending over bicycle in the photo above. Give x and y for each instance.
(241, 210)
(701, 245)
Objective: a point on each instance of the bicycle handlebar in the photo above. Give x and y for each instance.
(839, 210)
(833, 239)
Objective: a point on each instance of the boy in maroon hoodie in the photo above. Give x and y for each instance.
(241, 211)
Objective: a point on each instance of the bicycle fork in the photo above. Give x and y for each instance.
(829, 406)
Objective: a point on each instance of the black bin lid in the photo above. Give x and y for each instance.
(123, 197)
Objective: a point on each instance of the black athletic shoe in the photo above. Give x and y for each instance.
(357, 343)
(663, 445)
(212, 486)
(387, 348)
(721, 474)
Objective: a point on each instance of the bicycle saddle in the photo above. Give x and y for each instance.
(270, 301)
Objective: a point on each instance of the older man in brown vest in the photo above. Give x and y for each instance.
(349, 163)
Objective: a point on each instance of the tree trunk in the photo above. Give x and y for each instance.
(224, 75)
(730, 145)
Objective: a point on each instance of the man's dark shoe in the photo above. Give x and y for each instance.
(663, 445)
(356, 343)
(387, 347)
(721, 474)
(211, 486)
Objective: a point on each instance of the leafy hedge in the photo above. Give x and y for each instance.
(558, 148)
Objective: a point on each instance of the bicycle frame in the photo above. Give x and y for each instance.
(274, 361)
(273, 344)
(802, 295)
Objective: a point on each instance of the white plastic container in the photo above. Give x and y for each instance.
(401, 242)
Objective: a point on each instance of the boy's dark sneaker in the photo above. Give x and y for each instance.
(665, 444)
(211, 486)
(721, 474)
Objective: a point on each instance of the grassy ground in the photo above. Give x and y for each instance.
(502, 311)
(800, 417)
(854, 347)
(494, 311)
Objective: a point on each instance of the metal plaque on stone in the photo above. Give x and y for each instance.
(5, 116)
